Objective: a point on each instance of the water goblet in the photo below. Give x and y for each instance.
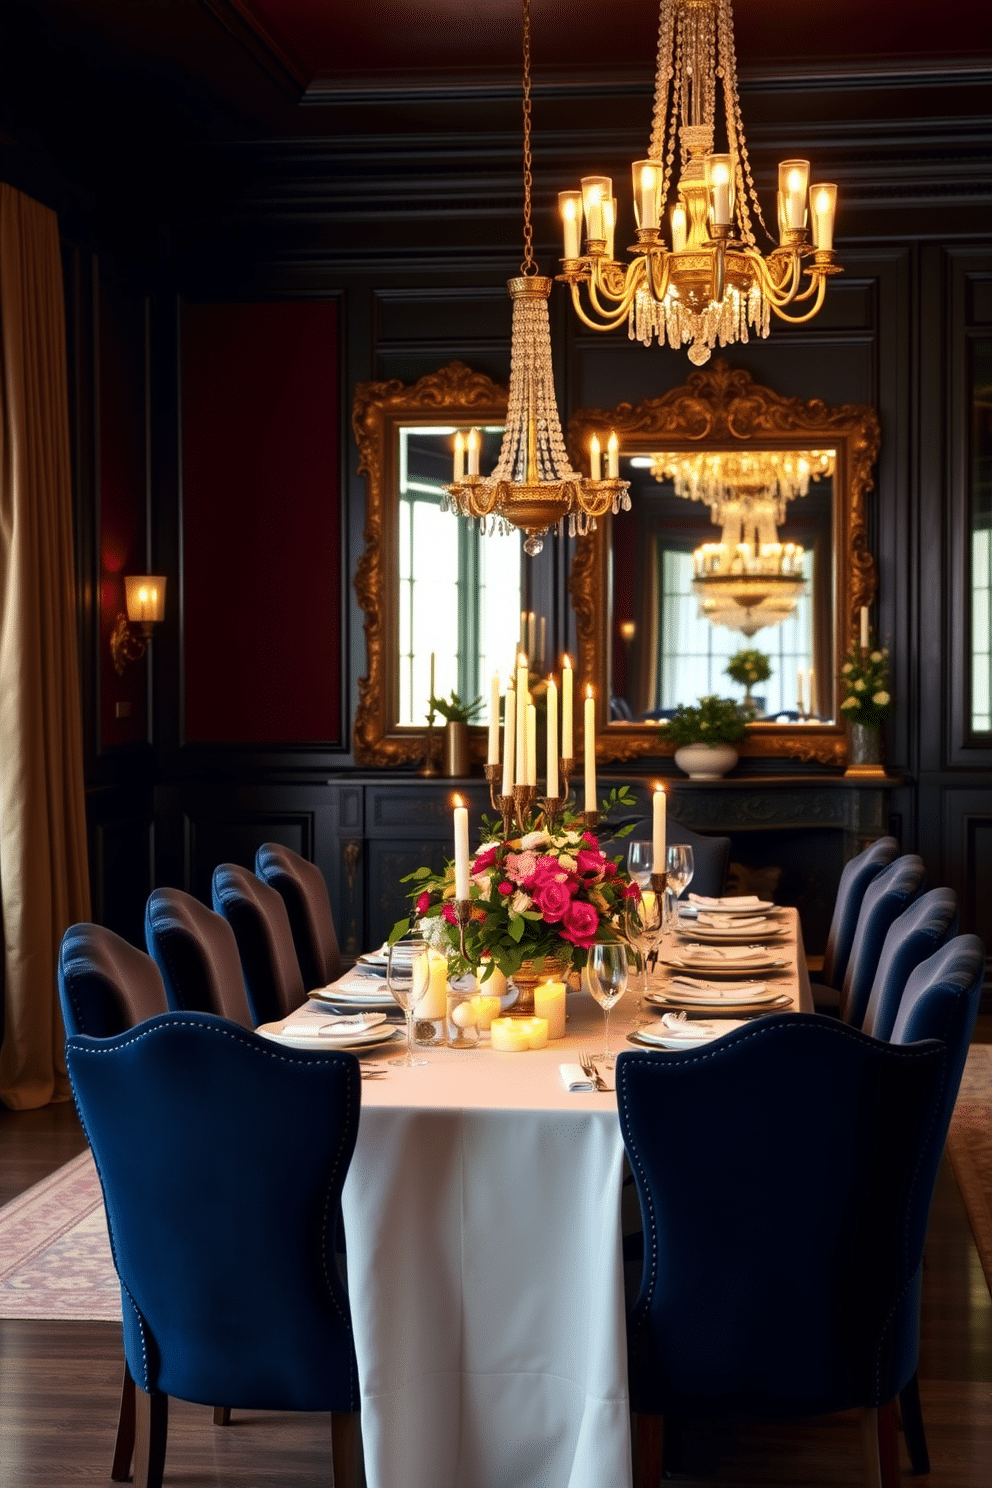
(640, 861)
(680, 867)
(643, 926)
(607, 980)
(408, 977)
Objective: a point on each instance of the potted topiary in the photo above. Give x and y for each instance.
(705, 736)
(458, 715)
(747, 668)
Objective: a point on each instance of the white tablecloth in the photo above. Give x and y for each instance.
(482, 1213)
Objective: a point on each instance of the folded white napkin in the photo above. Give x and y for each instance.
(355, 981)
(718, 990)
(574, 1077)
(696, 952)
(332, 1028)
(738, 901)
(677, 1025)
(734, 923)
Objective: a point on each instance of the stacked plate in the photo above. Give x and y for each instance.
(355, 1032)
(724, 929)
(671, 1032)
(717, 961)
(695, 995)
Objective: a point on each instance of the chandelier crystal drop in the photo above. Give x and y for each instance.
(766, 476)
(710, 283)
(533, 486)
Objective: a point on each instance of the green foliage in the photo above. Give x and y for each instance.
(748, 667)
(865, 680)
(454, 709)
(716, 720)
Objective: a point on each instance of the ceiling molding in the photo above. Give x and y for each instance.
(238, 21)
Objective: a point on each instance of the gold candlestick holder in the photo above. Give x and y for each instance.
(591, 818)
(494, 774)
(428, 770)
(463, 913)
(565, 766)
(659, 882)
(506, 806)
(553, 808)
(523, 799)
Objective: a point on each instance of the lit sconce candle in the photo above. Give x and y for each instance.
(595, 190)
(609, 223)
(718, 179)
(570, 206)
(613, 456)
(645, 174)
(823, 200)
(566, 707)
(459, 455)
(473, 451)
(595, 459)
(811, 678)
(793, 179)
(678, 228)
(509, 723)
(531, 745)
(864, 627)
(493, 754)
(658, 828)
(549, 1003)
(552, 738)
(461, 849)
(590, 750)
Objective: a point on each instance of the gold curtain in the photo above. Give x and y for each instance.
(44, 884)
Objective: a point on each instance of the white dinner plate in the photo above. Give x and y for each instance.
(375, 997)
(354, 1042)
(737, 1003)
(729, 907)
(752, 936)
(727, 966)
(645, 1038)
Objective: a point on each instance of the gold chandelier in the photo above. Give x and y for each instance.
(712, 282)
(766, 476)
(533, 485)
(747, 585)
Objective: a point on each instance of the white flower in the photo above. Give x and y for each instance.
(435, 933)
(876, 656)
(846, 668)
(859, 686)
(520, 901)
(485, 883)
(881, 699)
(566, 861)
(534, 839)
(850, 702)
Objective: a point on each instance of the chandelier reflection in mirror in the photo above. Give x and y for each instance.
(749, 579)
(533, 485)
(713, 282)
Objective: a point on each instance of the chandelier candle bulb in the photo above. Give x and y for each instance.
(509, 724)
(864, 627)
(492, 756)
(570, 206)
(566, 708)
(823, 200)
(461, 850)
(595, 190)
(718, 179)
(609, 223)
(612, 456)
(793, 182)
(552, 739)
(645, 174)
(459, 456)
(590, 751)
(473, 444)
(658, 824)
(531, 778)
(549, 1003)
(595, 459)
(678, 228)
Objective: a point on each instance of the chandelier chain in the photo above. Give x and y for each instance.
(528, 266)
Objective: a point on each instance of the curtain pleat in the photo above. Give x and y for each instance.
(44, 883)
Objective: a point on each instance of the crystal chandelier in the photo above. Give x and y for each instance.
(533, 485)
(767, 476)
(713, 282)
(747, 585)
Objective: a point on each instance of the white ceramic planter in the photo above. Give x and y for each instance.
(706, 761)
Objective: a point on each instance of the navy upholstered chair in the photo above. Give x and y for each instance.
(258, 917)
(913, 937)
(818, 1205)
(940, 1001)
(228, 1279)
(304, 893)
(854, 881)
(195, 951)
(710, 856)
(886, 898)
(106, 985)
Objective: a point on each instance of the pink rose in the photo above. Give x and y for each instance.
(423, 903)
(505, 888)
(521, 866)
(609, 869)
(448, 913)
(552, 899)
(589, 840)
(590, 862)
(580, 923)
(485, 860)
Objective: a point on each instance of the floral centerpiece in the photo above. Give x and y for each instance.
(715, 721)
(747, 668)
(864, 679)
(540, 896)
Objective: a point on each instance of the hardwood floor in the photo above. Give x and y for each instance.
(59, 1382)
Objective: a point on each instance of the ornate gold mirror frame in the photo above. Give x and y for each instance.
(721, 408)
(453, 395)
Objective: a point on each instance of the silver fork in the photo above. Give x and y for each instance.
(590, 1069)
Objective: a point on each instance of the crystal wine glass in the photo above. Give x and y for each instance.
(680, 867)
(643, 926)
(408, 977)
(640, 861)
(607, 979)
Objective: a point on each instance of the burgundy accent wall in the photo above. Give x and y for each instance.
(121, 453)
(261, 523)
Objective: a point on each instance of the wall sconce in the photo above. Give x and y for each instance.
(145, 598)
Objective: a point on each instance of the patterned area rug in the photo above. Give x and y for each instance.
(55, 1259)
(969, 1146)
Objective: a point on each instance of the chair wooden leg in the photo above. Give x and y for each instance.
(222, 1415)
(347, 1454)
(912, 1425)
(124, 1446)
(648, 1433)
(151, 1429)
(869, 1444)
(888, 1444)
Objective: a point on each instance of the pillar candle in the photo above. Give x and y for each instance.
(566, 708)
(461, 849)
(493, 986)
(521, 769)
(549, 1002)
(509, 724)
(508, 1035)
(864, 627)
(434, 1003)
(531, 777)
(552, 738)
(590, 751)
(493, 756)
(485, 1009)
(659, 805)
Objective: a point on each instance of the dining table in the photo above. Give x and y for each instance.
(482, 1215)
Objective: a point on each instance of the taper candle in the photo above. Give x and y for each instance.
(658, 823)
(523, 698)
(459, 455)
(552, 738)
(812, 705)
(590, 751)
(613, 456)
(461, 849)
(595, 459)
(509, 724)
(492, 757)
(473, 451)
(566, 708)
(864, 627)
(531, 776)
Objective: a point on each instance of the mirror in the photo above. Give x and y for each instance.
(428, 584)
(648, 585)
